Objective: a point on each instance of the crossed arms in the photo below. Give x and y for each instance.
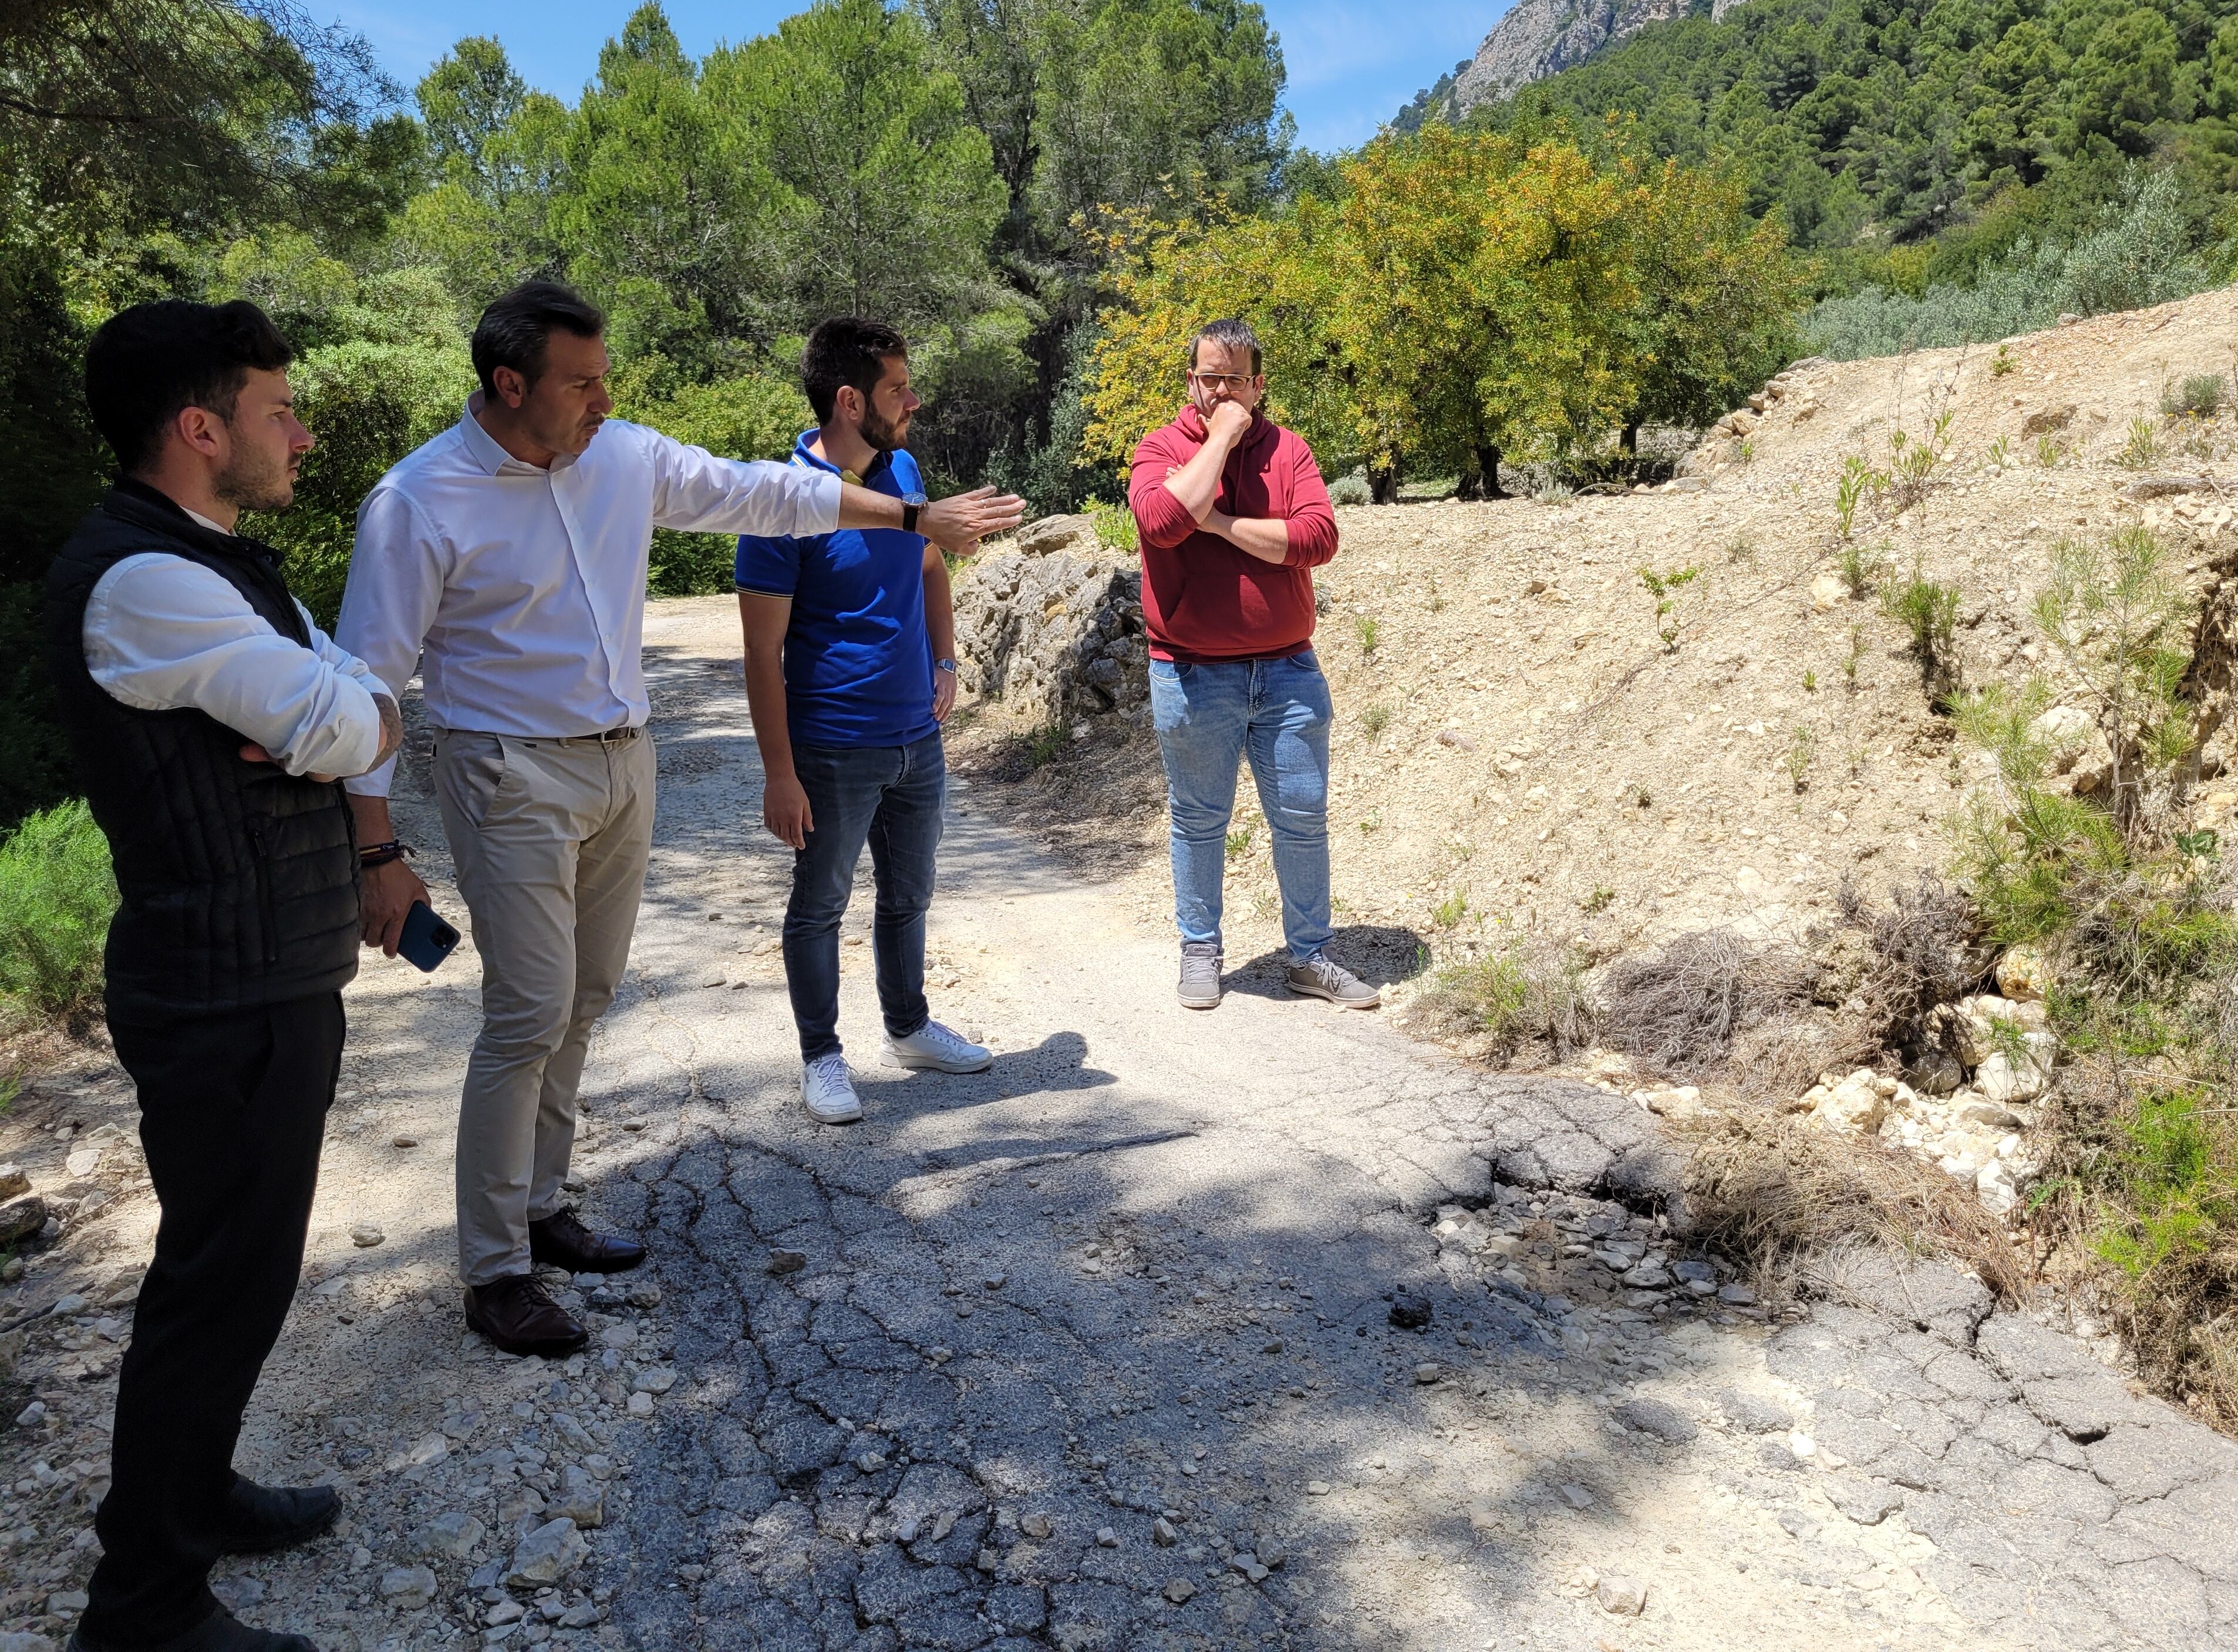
(1173, 501)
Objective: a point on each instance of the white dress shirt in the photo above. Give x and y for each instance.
(161, 633)
(526, 586)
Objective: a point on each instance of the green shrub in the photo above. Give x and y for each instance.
(1351, 490)
(1114, 526)
(57, 893)
(2201, 395)
(2140, 255)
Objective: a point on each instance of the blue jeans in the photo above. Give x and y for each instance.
(1275, 711)
(890, 796)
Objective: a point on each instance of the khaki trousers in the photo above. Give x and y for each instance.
(550, 838)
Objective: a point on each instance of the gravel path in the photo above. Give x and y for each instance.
(1096, 1349)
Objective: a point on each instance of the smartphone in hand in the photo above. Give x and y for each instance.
(427, 940)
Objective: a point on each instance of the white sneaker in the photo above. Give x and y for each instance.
(827, 1090)
(934, 1046)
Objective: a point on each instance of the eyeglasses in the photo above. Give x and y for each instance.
(1231, 382)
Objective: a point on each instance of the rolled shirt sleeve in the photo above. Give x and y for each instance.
(162, 634)
(698, 492)
(395, 585)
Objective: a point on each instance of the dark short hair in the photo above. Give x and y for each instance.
(146, 366)
(847, 350)
(1232, 332)
(516, 329)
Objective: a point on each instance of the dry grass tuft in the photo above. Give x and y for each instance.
(1771, 1193)
(1924, 950)
(1680, 1009)
(1529, 994)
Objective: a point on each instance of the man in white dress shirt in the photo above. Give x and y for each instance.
(207, 716)
(506, 558)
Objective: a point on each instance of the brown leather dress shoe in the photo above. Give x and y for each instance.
(561, 1240)
(519, 1316)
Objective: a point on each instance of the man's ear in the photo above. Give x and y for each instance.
(512, 388)
(849, 405)
(200, 430)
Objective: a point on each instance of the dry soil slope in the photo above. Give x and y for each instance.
(1520, 738)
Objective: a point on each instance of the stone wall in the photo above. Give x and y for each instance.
(1048, 623)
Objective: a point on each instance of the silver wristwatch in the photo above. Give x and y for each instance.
(948, 666)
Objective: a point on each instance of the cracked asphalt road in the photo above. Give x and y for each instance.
(1094, 1351)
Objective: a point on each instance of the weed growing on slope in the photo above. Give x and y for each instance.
(1801, 749)
(1915, 461)
(1928, 612)
(1861, 566)
(1666, 588)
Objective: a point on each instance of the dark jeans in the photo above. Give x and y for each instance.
(890, 796)
(233, 1108)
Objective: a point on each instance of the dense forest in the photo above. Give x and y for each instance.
(1911, 144)
(934, 164)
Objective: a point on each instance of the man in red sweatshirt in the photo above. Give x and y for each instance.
(1234, 518)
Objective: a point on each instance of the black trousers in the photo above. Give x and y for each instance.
(233, 1108)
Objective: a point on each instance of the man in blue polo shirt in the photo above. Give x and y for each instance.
(848, 637)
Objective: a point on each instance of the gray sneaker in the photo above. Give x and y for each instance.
(1318, 977)
(1199, 988)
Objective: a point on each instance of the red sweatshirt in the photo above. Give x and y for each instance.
(1202, 599)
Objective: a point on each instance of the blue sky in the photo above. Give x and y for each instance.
(1352, 62)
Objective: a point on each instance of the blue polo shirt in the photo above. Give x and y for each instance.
(857, 658)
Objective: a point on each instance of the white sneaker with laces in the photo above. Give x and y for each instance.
(827, 1090)
(933, 1047)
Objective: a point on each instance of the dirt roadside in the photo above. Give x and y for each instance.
(1268, 1327)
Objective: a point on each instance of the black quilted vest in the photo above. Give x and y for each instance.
(239, 880)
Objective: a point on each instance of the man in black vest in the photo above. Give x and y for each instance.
(208, 717)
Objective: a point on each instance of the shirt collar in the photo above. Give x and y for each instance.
(492, 458)
(804, 453)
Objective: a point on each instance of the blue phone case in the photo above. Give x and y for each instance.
(427, 940)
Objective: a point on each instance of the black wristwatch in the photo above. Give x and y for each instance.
(911, 503)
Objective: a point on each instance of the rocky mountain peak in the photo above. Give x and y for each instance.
(1536, 38)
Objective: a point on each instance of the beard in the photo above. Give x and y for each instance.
(257, 481)
(883, 436)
